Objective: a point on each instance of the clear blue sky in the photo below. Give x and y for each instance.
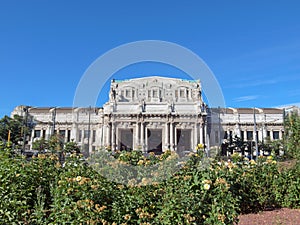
(253, 47)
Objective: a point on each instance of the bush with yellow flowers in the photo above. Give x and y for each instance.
(42, 190)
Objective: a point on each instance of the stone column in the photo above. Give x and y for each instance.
(166, 135)
(108, 135)
(74, 129)
(103, 135)
(48, 133)
(205, 134)
(146, 139)
(99, 136)
(195, 142)
(260, 134)
(81, 131)
(113, 136)
(31, 138)
(264, 132)
(142, 137)
(271, 134)
(136, 136)
(201, 133)
(66, 134)
(171, 137)
(175, 138)
(280, 134)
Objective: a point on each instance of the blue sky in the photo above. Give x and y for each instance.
(252, 47)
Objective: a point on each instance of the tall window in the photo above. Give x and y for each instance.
(69, 136)
(275, 135)
(80, 136)
(127, 93)
(62, 133)
(86, 134)
(216, 136)
(249, 135)
(37, 133)
(242, 135)
(94, 136)
(181, 93)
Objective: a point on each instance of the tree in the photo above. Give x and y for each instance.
(71, 147)
(16, 126)
(40, 144)
(55, 143)
(292, 135)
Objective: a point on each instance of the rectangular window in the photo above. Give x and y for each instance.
(44, 134)
(94, 136)
(242, 135)
(133, 93)
(216, 137)
(268, 133)
(86, 134)
(225, 135)
(275, 135)
(249, 135)
(80, 136)
(127, 93)
(69, 136)
(62, 134)
(181, 93)
(155, 95)
(37, 133)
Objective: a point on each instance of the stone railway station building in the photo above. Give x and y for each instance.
(152, 114)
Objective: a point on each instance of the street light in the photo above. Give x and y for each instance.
(25, 110)
(256, 139)
(53, 120)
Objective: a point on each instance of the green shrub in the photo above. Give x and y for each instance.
(203, 191)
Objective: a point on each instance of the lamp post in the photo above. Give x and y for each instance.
(256, 139)
(53, 120)
(25, 110)
(89, 130)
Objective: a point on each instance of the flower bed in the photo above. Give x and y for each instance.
(203, 191)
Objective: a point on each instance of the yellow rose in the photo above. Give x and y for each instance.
(206, 186)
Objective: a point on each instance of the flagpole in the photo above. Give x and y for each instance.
(255, 133)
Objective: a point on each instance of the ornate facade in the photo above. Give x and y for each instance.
(152, 114)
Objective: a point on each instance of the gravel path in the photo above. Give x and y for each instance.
(275, 217)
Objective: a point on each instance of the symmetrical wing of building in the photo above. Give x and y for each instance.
(152, 114)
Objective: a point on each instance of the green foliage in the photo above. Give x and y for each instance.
(40, 144)
(203, 191)
(292, 135)
(55, 143)
(19, 182)
(16, 126)
(71, 147)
